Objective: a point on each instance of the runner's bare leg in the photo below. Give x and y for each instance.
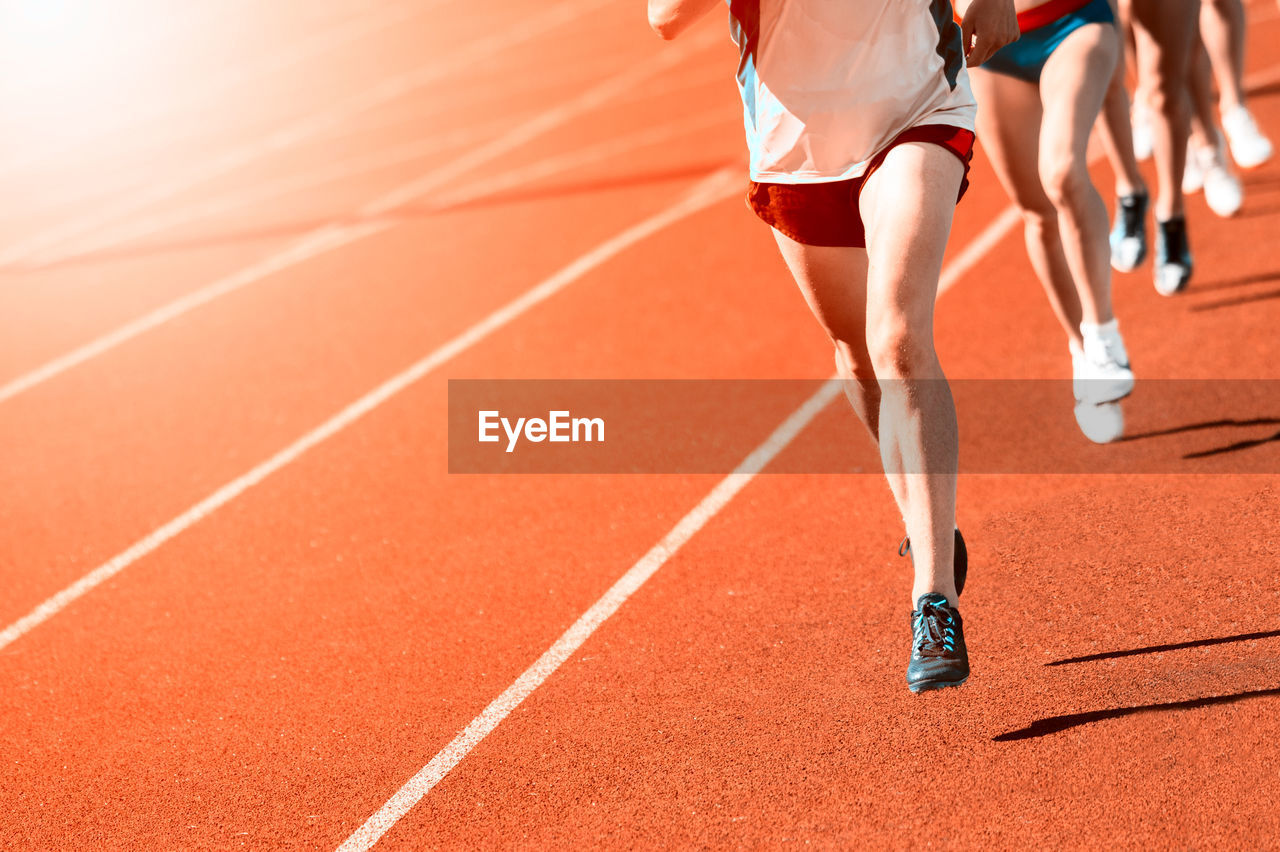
(833, 280)
(907, 206)
(1012, 147)
(1116, 135)
(1164, 31)
(1073, 85)
(1222, 24)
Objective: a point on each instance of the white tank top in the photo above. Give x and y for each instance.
(827, 84)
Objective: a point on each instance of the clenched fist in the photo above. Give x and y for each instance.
(986, 26)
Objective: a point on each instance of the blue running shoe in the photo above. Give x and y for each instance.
(939, 657)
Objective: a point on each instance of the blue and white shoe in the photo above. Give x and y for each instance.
(1129, 233)
(939, 657)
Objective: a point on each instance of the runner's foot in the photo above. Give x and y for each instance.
(1100, 370)
(1173, 256)
(1222, 190)
(1129, 235)
(939, 657)
(1249, 146)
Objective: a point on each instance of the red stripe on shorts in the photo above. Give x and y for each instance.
(1047, 13)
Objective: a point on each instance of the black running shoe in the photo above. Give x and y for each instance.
(938, 655)
(1173, 256)
(961, 562)
(1129, 233)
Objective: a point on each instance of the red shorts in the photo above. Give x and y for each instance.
(826, 214)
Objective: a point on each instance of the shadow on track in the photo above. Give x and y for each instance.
(1233, 447)
(1176, 646)
(1207, 424)
(1242, 281)
(1056, 724)
(1235, 302)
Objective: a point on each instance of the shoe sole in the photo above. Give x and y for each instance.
(931, 685)
(1173, 291)
(1121, 265)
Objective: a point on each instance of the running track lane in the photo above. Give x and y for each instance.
(668, 352)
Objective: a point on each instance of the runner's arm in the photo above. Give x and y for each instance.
(987, 26)
(669, 18)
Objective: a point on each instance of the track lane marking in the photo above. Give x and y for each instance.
(261, 193)
(718, 186)
(330, 237)
(316, 44)
(386, 158)
(300, 130)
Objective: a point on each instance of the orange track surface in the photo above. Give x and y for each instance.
(271, 676)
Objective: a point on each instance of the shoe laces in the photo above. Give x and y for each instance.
(934, 630)
(1106, 351)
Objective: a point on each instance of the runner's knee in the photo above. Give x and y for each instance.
(1065, 179)
(898, 351)
(851, 364)
(1038, 211)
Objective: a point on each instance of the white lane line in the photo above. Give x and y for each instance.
(330, 237)
(283, 139)
(710, 190)
(386, 158)
(481, 726)
(573, 638)
(318, 43)
(574, 160)
(267, 191)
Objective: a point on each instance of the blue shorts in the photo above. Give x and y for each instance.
(1025, 57)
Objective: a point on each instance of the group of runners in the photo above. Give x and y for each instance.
(861, 117)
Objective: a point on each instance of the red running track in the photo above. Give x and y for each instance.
(274, 672)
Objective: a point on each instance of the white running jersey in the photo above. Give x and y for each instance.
(827, 84)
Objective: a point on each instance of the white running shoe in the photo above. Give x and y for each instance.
(1143, 141)
(1193, 172)
(1222, 190)
(1249, 146)
(1101, 423)
(1100, 373)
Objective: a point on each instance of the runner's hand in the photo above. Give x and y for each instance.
(987, 26)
